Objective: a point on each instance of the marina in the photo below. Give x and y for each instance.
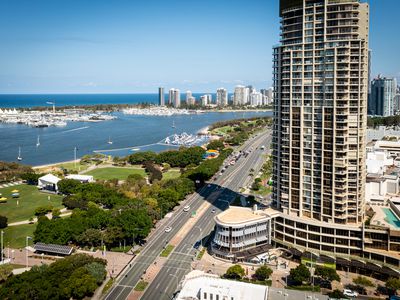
(159, 111)
(128, 133)
(42, 119)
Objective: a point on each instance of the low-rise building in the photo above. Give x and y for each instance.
(241, 232)
(80, 178)
(372, 247)
(198, 285)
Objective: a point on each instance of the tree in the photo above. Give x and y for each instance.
(336, 294)
(5, 271)
(141, 157)
(326, 273)
(393, 284)
(300, 274)
(56, 213)
(97, 271)
(90, 237)
(215, 145)
(68, 186)
(363, 281)
(3, 222)
(42, 210)
(81, 283)
(235, 272)
(263, 273)
(31, 177)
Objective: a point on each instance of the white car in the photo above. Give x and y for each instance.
(186, 208)
(350, 293)
(168, 229)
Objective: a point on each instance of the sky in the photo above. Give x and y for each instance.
(132, 46)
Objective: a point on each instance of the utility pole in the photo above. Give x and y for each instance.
(75, 149)
(26, 249)
(2, 249)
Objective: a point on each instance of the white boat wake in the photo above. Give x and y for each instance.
(75, 129)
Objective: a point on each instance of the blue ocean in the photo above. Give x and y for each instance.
(35, 100)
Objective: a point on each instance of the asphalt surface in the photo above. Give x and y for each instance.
(219, 192)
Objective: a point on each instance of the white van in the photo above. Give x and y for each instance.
(186, 208)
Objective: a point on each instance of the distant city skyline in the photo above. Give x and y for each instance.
(135, 47)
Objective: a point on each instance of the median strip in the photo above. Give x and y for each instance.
(167, 250)
(141, 286)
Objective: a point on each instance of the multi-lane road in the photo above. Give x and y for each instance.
(219, 193)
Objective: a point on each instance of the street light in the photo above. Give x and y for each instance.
(26, 249)
(1, 249)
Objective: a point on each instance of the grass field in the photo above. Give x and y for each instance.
(171, 174)
(222, 130)
(141, 286)
(15, 236)
(115, 172)
(30, 198)
(167, 251)
(71, 166)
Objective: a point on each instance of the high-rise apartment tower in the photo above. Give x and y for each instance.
(320, 110)
(222, 97)
(161, 99)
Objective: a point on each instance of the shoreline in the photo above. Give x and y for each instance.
(55, 164)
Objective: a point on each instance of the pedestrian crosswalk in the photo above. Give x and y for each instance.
(4, 185)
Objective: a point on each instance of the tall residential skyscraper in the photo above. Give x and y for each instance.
(241, 95)
(320, 112)
(188, 96)
(161, 99)
(382, 97)
(174, 98)
(222, 97)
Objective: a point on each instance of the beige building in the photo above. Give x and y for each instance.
(319, 137)
(320, 78)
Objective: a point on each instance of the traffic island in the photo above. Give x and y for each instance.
(141, 286)
(167, 250)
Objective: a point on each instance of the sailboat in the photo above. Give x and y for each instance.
(19, 154)
(38, 141)
(173, 124)
(109, 140)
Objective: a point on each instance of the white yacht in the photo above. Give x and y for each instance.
(19, 154)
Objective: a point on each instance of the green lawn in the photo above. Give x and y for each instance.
(30, 198)
(74, 167)
(141, 286)
(171, 174)
(115, 172)
(222, 130)
(167, 251)
(15, 236)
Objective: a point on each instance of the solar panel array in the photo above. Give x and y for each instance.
(51, 248)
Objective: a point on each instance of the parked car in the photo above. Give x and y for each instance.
(350, 293)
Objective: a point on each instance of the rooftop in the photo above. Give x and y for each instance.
(238, 215)
(198, 281)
